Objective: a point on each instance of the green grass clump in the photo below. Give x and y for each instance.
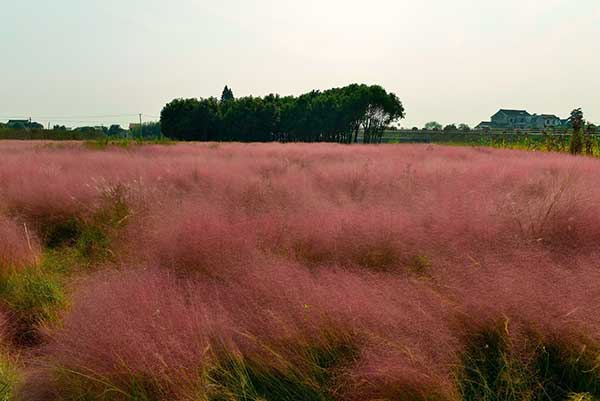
(492, 370)
(106, 142)
(239, 378)
(581, 397)
(87, 386)
(565, 370)
(86, 240)
(34, 296)
(9, 377)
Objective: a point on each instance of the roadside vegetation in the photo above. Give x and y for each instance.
(285, 272)
(580, 137)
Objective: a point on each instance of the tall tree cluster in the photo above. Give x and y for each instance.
(334, 115)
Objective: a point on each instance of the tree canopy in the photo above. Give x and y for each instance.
(333, 115)
(227, 94)
(433, 126)
(576, 119)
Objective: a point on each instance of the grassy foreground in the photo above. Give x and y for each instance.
(269, 272)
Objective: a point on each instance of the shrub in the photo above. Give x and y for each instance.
(34, 297)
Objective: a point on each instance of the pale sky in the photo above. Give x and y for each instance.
(88, 61)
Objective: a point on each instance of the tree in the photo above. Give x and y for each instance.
(151, 129)
(115, 130)
(191, 119)
(450, 127)
(433, 126)
(248, 119)
(577, 122)
(383, 109)
(588, 141)
(576, 119)
(227, 94)
(464, 127)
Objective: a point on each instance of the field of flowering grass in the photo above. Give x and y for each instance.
(298, 272)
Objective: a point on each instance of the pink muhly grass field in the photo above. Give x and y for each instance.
(312, 271)
(18, 246)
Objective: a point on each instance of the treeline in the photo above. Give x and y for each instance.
(44, 134)
(334, 115)
(33, 130)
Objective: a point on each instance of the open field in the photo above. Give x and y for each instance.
(247, 272)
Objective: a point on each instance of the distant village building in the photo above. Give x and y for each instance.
(21, 124)
(521, 119)
(17, 123)
(546, 121)
(511, 119)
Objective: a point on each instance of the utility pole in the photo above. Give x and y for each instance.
(141, 129)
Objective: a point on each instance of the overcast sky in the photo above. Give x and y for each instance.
(450, 61)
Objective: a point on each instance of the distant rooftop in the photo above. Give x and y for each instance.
(515, 112)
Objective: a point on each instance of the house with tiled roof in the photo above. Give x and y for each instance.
(521, 119)
(545, 121)
(506, 118)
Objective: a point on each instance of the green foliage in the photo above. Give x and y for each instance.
(125, 143)
(491, 373)
(9, 377)
(229, 377)
(227, 94)
(191, 119)
(115, 130)
(493, 369)
(57, 134)
(150, 130)
(236, 378)
(565, 370)
(88, 386)
(577, 136)
(334, 115)
(546, 141)
(433, 126)
(576, 143)
(580, 397)
(576, 119)
(86, 240)
(34, 296)
(59, 232)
